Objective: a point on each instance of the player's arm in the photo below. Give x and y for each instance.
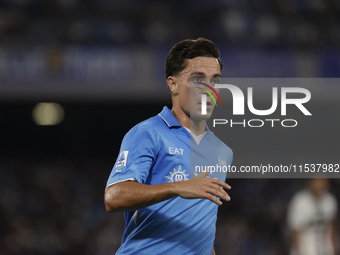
(334, 237)
(295, 236)
(131, 195)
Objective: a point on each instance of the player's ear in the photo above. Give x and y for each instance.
(172, 84)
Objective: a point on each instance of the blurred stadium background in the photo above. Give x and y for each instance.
(102, 62)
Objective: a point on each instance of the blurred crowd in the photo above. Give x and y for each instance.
(288, 23)
(55, 206)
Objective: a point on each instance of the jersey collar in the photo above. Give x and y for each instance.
(169, 118)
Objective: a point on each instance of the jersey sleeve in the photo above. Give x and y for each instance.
(136, 157)
(332, 207)
(296, 215)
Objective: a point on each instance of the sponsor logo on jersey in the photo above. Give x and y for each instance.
(221, 161)
(177, 175)
(173, 150)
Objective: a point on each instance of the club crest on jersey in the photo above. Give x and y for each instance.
(177, 175)
(221, 161)
(121, 164)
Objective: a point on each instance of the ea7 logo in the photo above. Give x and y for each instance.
(238, 100)
(175, 151)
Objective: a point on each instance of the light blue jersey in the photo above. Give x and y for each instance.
(157, 151)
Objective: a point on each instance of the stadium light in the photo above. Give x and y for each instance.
(48, 114)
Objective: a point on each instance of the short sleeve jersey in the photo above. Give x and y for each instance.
(312, 217)
(157, 151)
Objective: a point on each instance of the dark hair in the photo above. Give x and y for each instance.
(189, 49)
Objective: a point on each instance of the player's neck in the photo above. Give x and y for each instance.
(181, 116)
(195, 126)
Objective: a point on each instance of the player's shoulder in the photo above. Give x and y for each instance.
(302, 194)
(330, 198)
(302, 198)
(149, 127)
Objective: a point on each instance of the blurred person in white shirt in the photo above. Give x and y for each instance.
(311, 220)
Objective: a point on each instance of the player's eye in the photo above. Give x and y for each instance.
(197, 80)
(215, 81)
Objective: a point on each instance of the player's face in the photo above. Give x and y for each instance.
(318, 186)
(199, 70)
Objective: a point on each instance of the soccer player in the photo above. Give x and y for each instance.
(166, 210)
(311, 220)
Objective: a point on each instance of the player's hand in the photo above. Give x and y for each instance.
(202, 186)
